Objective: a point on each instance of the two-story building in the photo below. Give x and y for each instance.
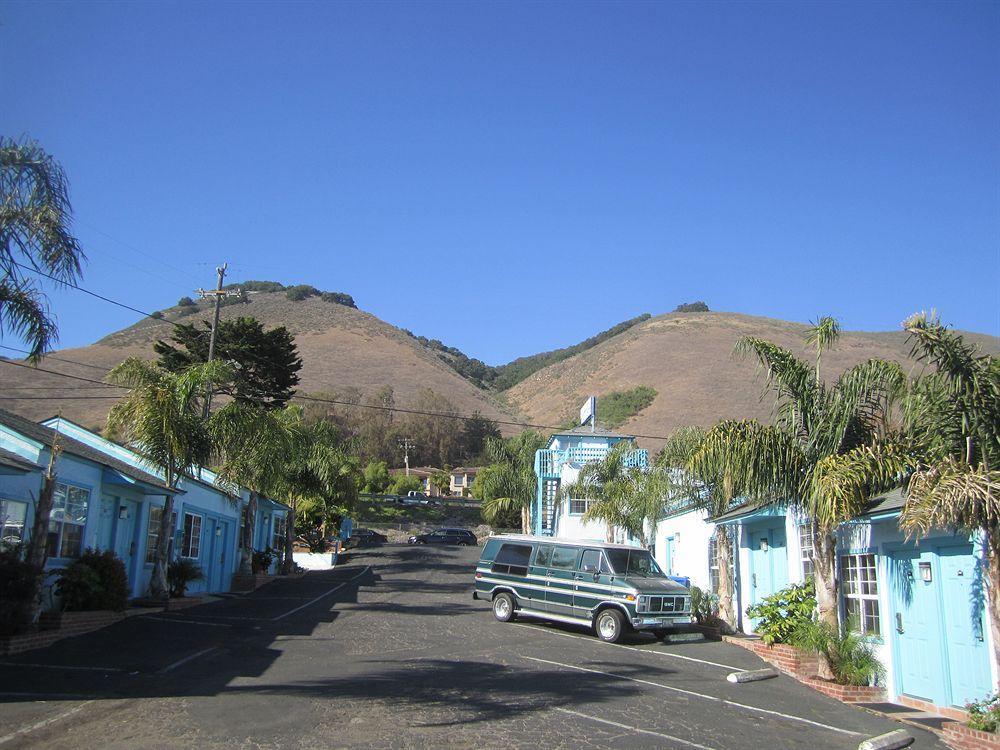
(462, 478)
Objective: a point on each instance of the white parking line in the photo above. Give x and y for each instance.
(58, 666)
(670, 737)
(44, 723)
(596, 642)
(185, 660)
(188, 622)
(692, 693)
(322, 596)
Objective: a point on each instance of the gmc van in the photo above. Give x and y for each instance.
(612, 588)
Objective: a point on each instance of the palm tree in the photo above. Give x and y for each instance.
(251, 444)
(831, 426)
(508, 484)
(161, 419)
(35, 215)
(736, 461)
(612, 487)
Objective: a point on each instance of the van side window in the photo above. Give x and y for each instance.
(512, 559)
(591, 562)
(564, 558)
(544, 556)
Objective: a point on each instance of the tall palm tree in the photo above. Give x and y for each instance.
(161, 419)
(35, 217)
(251, 444)
(830, 425)
(737, 461)
(614, 489)
(508, 484)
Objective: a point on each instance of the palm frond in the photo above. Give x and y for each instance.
(798, 396)
(952, 494)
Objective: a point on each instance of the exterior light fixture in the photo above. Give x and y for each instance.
(123, 513)
(763, 545)
(925, 572)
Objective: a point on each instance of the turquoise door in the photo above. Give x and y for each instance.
(916, 625)
(964, 621)
(106, 523)
(768, 562)
(210, 555)
(126, 516)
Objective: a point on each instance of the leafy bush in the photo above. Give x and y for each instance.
(301, 292)
(338, 298)
(95, 580)
(692, 307)
(783, 612)
(262, 560)
(705, 607)
(181, 573)
(984, 714)
(850, 657)
(257, 286)
(17, 579)
(186, 302)
(157, 314)
(617, 407)
(401, 484)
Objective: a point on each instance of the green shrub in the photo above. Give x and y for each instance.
(338, 298)
(850, 657)
(95, 580)
(17, 580)
(692, 307)
(186, 302)
(783, 612)
(617, 407)
(262, 560)
(180, 574)
(705, 607)
(984, 714)
(301, 292)
(156, 314)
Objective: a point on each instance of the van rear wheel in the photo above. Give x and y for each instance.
(610, 625)
(503, 607)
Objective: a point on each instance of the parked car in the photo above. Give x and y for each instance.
(612, 588)
(366, 538)
(414, 498)
(446, 536)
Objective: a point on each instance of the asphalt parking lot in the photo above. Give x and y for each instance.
(390, 650)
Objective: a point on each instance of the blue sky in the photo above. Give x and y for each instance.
(511, 177)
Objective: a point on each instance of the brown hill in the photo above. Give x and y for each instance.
(687, 358)
(341, 348)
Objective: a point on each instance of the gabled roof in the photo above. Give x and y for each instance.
(465, 470)
(46, 435)
(14, 461)
(891, 502)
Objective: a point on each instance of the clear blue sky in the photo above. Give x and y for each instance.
(514, 177)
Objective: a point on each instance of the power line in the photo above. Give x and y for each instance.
(55, 358)
(133, 248)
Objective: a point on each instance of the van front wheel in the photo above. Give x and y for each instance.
(503, 607)
(610, 625)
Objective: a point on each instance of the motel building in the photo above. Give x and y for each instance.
(108, 498)
(920, 602)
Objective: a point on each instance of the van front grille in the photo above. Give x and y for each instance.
(666, 604)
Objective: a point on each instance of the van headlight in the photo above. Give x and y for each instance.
(643, 604)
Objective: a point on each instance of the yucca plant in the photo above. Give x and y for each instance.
(849, 656)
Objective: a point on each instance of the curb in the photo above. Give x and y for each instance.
(752, 675)
(888, 741)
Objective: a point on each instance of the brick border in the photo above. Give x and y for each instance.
(960, 737)
(56, 626)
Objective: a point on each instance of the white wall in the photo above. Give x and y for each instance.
(691, 532)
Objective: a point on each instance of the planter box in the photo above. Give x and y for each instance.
(847, 693)
(711, 632)
(315, 560)
(960, 737)
(788, 659)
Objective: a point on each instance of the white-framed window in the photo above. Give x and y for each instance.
(191, 542)
(68, 519)
(858, 574)
(806, 551)
(578, 506)
(153, 533)
(280, 528)
(713, 560)
(12, 516)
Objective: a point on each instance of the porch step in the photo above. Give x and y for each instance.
(912, 716)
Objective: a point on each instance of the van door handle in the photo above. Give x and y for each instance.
(899, 622)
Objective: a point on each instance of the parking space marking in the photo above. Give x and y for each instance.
(639, 730)
(322, 596)
(58, 666)
(728, 667)
(186, 659)
(44, 723)
(713, 698)
(188, 622)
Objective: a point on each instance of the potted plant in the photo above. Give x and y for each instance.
(705, 608)
(262, 560)
(180, 574)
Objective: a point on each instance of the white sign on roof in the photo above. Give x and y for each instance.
(588, 412)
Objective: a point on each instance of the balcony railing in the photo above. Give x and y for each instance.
(549, 463)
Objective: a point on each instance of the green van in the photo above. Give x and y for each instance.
(612, 588)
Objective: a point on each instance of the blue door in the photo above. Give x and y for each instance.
(210, 555)
(768, 562)
(127, 515)
(962, 583)
(916, 624)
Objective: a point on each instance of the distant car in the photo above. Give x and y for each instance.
(414, 498)
(446, 536)
(366, 538)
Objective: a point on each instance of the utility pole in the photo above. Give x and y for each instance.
(407, 445)
(219, 293)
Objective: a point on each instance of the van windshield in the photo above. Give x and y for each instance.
(634, 562)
